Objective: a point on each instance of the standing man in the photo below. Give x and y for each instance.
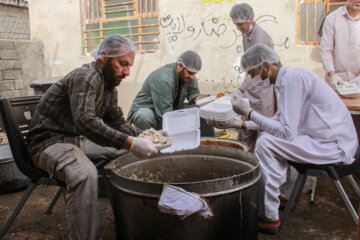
(78, 119)
(312, 126)
(165, 90)
(261, 94)
(340, 44)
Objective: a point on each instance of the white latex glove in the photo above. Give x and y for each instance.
(233, 123)
(143, 148)
(335, 81)
(356, 80)
(240, 105)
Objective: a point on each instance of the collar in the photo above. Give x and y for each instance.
(99, 70)
(281, 73)
(175, 73)
(346, 14)
(250, 36)
(96, 66)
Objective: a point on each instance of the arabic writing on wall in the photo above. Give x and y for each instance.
(222, 29)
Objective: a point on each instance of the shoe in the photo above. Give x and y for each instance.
(283, 203)
(269, 227)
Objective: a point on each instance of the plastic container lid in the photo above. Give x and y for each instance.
(183, 128)
(219, 110)
(349, 90)
(203, 101)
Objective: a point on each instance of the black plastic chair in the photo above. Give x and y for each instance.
(332, 171)
(16, 114)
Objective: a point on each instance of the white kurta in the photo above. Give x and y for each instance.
(340, 44)
(312, 125)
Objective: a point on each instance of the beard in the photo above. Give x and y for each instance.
(182, 78)
(110, 77)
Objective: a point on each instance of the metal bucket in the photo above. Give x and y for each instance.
(11, 178)
(226, 176)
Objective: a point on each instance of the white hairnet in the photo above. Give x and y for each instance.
(256, 55)
(115, 45)
(241, 13)
(190, 60)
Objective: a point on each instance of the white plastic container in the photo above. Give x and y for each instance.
(349, 90)
(183, 128)
(219, 110)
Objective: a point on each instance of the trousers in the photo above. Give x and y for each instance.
(72, 165)
(274, 153)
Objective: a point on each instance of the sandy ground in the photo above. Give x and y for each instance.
(326, 219)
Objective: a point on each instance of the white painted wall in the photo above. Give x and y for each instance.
(200, 25)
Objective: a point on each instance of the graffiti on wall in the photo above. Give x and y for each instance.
(177, 28)
(219, 29)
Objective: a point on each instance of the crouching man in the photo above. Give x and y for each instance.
(77, 120)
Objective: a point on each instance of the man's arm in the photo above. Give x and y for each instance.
(199, 97)
(285, 122)
(193, 92)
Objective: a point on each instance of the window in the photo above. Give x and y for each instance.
(311, 14)
(138, 20)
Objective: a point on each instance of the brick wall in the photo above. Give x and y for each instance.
(14, 22)
(21, 62)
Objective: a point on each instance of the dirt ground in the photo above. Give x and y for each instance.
(326, 219)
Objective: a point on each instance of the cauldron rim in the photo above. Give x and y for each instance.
(210, 187)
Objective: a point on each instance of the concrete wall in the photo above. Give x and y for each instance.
(200, 25)
(21, 62)
(14, 22)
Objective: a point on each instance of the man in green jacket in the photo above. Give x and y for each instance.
(165, 90)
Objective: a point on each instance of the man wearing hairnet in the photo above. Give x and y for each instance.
(312, 125)
(77, 120)
(340, 44)
(261, 94)
(165, 90)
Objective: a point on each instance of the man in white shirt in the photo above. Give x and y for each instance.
(340, 44)
(312, 125)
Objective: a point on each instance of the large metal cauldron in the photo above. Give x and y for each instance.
(225, 175)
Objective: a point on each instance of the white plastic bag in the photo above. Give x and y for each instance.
(177, 201)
